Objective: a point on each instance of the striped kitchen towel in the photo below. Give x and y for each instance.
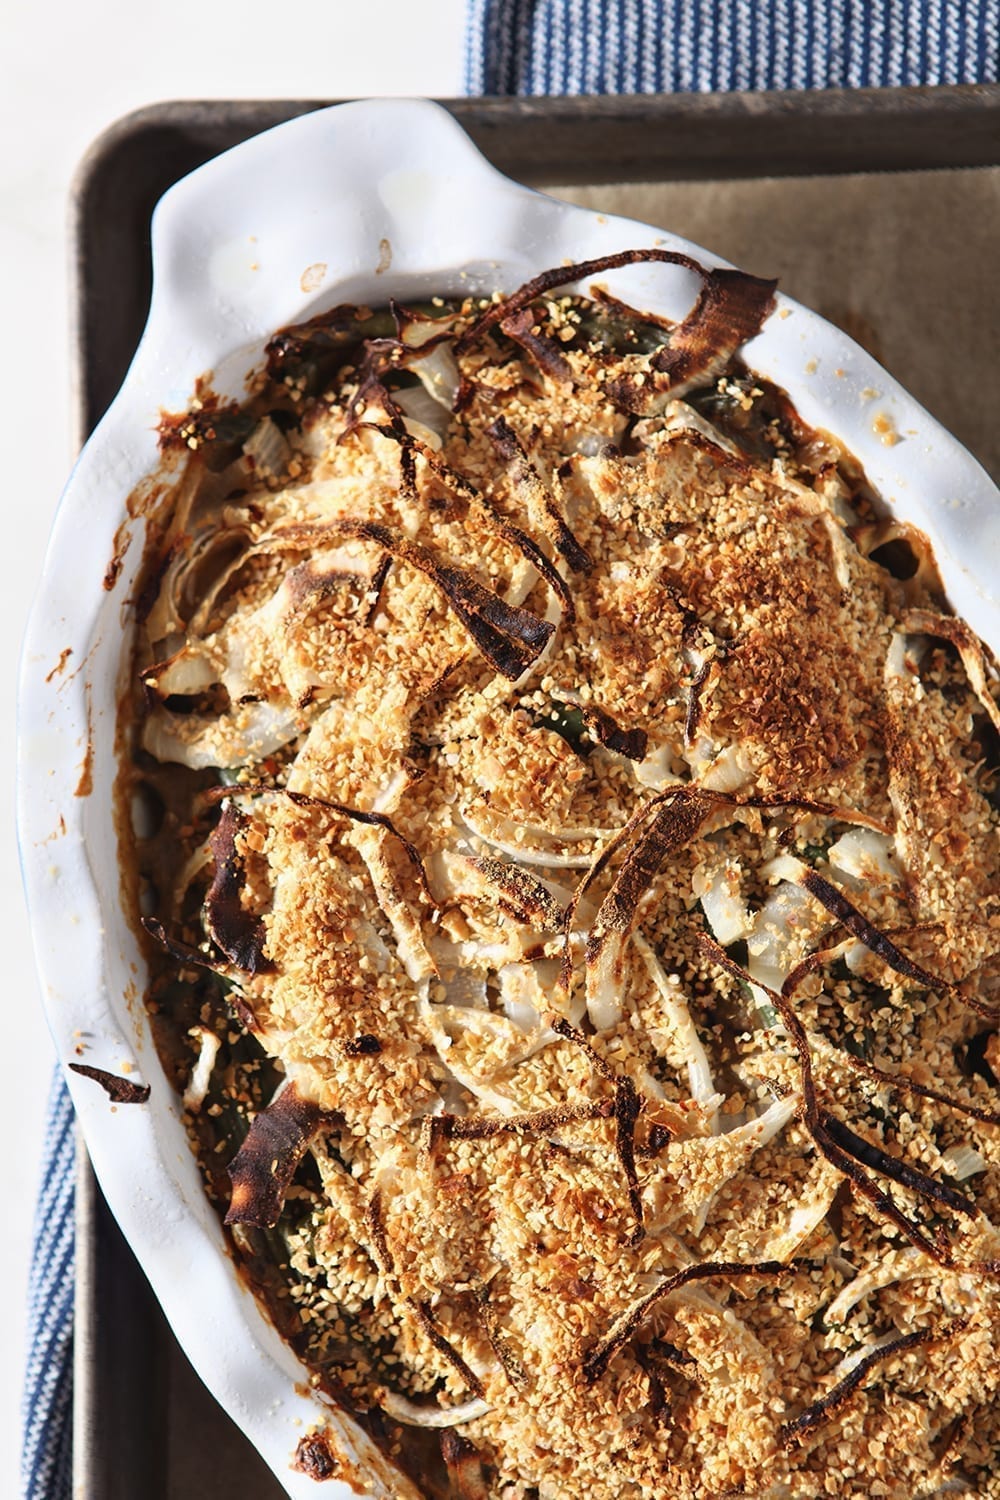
(684, 46)
(47, 1402)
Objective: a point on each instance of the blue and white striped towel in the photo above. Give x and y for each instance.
(685, 46)
(555, 47)
(47, 1404)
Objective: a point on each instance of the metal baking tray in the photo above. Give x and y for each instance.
(879, 208)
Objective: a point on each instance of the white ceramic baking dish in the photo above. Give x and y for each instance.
(351, 204)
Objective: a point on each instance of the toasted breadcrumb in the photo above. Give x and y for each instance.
(541, 1097)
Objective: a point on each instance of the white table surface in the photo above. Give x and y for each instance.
(66, 72)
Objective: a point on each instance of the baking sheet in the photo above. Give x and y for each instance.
(881, 210)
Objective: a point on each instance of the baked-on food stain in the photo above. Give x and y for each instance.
(119, 1090)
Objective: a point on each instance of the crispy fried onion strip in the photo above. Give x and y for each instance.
(970, 648)
(536, 1122)
(627, 1108)
(507, 834)
(263, 1167)
(792, 1434)
(237, 932)
(866, 932)
(600, 1356)
(509, 637)
(659, 827)
(522, 328)
(840, 1144)
(731, 308)
(673, 818)
(527, 485)
(420, 1309)
(415, 1414)
(521, 894)
(459, 485)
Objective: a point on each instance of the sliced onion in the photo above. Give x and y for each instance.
(525, 990)
(963, 1161)
(500, 832)
(438, 373)
(655, 770)
(724, 908)
(678, 417)
(720, 770)
(895, 1265)
(865, 858)
(818, 1194)
(970, 648)
(251, 732)
(422, 410)
(777, 940)
(201, 1074)
(402, 1409)
(700, 1079)
(267, 449)
(746, 1139)
(188, 672)
(406, 929)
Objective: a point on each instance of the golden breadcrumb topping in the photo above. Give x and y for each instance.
(570, 839)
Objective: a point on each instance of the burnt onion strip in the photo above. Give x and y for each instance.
(632, 743)
(512, 1367)
(600, 1356)
(898, 1081)
(537, 1122)
(119, 1090)
(464, 1464)
(524, 895)
(815, 1118)
(185, 954)
(522, 328)
(528, 486)
(866, 932)
(877, 1160)
(263, 1167)
(731, 309)
(673, 821)
(238, 933)
(792, 1433)
(425, 1317)
(559, 276)
(627, 1107)
(509, 637)
(513, 535)
(380, 1245)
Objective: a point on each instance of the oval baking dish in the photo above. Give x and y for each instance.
(352, 205)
